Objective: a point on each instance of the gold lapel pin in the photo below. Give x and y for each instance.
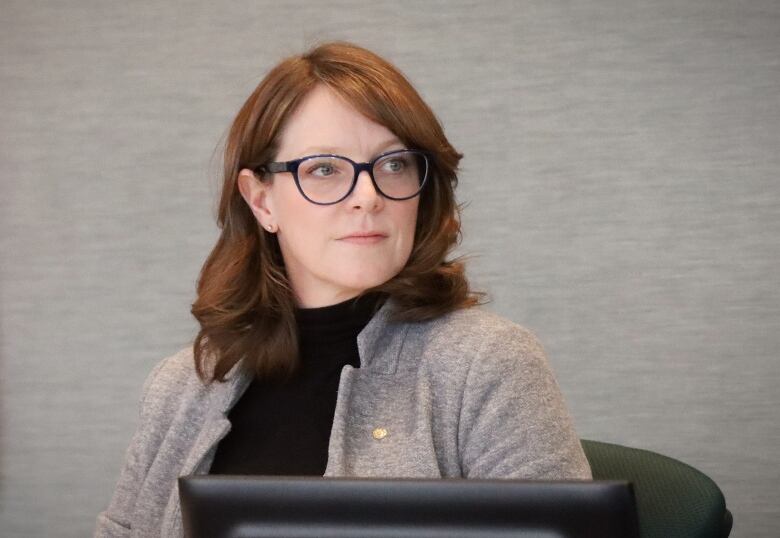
(379, 433)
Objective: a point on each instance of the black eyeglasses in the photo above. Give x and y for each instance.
(329, 179)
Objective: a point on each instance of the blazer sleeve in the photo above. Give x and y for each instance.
(115, 521)
(514, 422)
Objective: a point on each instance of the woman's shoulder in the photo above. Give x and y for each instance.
(474, 336)
(480, 328)
(172, 379)
(177, 369)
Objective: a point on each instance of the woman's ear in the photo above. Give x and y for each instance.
(256, 195)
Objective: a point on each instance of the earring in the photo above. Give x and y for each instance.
(270, 228)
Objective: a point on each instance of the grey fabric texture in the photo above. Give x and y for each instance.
(621, 192)
(469, 394)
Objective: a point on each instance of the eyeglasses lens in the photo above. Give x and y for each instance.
(328, 179)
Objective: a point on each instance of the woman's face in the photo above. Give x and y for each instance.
(324, 264)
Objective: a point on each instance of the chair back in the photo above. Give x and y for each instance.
(673, 499)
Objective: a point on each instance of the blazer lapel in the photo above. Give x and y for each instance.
(379, 345)
(215, 422)
(380, 341)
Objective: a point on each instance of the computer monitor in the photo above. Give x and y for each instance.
(221, 506)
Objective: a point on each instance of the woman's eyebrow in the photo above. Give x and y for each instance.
(312, 150)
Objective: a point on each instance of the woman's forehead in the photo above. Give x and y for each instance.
(325, 123)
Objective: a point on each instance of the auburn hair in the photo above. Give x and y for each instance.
(245, 304)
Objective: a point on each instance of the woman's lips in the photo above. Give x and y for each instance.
(364, 239)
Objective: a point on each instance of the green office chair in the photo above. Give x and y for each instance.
(673, 499)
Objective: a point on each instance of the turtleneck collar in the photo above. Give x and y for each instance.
(340, 322)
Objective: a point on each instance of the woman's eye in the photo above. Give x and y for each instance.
(322, 170)
(394, 165)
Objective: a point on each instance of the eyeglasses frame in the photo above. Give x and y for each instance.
(292, 167)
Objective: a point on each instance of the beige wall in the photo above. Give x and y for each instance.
(621, 168)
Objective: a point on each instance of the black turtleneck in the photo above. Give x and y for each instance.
(283, 428)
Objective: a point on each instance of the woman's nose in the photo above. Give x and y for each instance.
(365, 194)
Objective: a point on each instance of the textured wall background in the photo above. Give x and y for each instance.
(621, 168)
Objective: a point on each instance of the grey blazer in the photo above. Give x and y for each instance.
(469, 394)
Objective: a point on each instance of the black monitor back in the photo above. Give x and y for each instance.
(218, 506)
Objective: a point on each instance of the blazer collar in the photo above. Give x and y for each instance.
(222, 396)
(381, 340)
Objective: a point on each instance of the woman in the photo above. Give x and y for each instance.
(335, 338)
